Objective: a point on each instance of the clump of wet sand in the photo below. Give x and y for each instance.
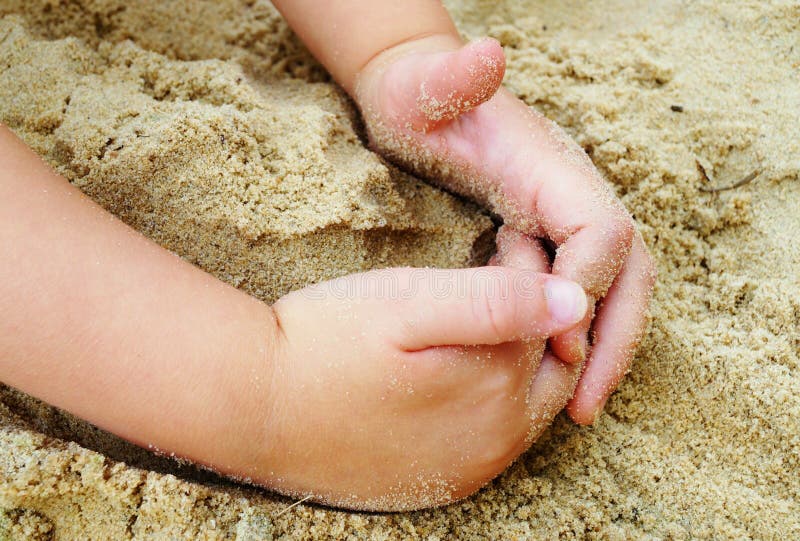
(207, 127)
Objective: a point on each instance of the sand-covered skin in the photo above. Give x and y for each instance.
(703, 438)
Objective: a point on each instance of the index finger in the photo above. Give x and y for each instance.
(554, 184)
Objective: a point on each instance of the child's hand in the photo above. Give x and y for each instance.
(407, 388)
(359, 392)
(434, 107)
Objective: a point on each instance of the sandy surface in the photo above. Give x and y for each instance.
(249, 164)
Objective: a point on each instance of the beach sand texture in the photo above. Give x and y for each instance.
(208, 127)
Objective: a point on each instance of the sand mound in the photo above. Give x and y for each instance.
(213, 132)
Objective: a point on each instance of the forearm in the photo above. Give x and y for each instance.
(346, 35)
(102, 322)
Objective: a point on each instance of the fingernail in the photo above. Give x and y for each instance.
(566, 300)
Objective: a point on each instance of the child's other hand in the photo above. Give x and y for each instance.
(437, 108)
(407, 388)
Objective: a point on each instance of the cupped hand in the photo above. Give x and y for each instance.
(435, 107)
(408, 388)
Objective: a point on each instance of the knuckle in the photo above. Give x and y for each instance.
(495, 313)
(622, 231)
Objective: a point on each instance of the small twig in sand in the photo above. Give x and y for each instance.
(746, 180)
(295, 504)
(702, 170)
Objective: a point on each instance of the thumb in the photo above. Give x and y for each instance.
(486, 306)
(428, 88)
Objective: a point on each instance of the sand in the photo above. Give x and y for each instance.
(206, 126)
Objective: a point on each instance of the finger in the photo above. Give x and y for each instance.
(551, 388)
(517, 250)
(619, 326)
(490, 305)
(576, 209)
(440, 86)
(573, 345)
(514, 249)
(552, 184)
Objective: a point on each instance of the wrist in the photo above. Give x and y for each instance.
(353, 32)
(251, 394)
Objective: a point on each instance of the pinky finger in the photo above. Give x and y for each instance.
(620, 323)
